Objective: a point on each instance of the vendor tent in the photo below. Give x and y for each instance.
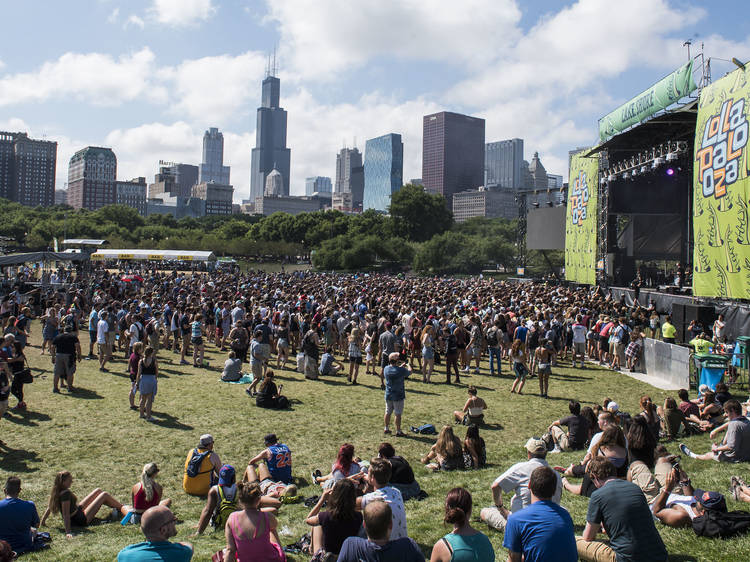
(36, 257)
(153, 255)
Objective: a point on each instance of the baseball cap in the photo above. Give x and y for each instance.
(710, 500)
(536, 446)
(270, 439)
(613, 407)
(206, 439)
(226, 475)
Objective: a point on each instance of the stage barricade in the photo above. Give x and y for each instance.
(668, 362)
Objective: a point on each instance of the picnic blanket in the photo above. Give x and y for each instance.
(245, 379)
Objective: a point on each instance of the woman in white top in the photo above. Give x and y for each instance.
(355, 355)
(473, 412)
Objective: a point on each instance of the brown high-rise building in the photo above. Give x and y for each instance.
(27, 169)
(91, 178)
(452, 153)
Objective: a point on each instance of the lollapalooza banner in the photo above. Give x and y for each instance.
(580, 223)
(661, 95)
(721, 190)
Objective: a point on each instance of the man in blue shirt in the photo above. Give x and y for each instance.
(278, 459)
(544, 530)
(18, 518)
(157, 525)
(395, 374)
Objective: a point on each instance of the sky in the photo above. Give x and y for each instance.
(148, 77)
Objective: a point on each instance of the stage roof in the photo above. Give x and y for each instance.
(153, 255)
(34, 257)
(83, 242)
(676, 124)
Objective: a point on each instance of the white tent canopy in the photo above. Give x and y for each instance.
(153, 255)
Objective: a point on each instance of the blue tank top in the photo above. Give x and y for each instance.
(280, 463)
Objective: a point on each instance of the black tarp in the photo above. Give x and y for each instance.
(36, 257)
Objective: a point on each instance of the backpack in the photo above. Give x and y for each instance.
(150, 328)
(224, 509)
(625, 336)
(492, 337)
(138, 331)
(194, 465)
(721, 524)
(425, 429)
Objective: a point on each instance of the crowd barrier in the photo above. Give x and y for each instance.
(668, 362)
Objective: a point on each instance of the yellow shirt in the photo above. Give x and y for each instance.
(700, 345)
(668, 330)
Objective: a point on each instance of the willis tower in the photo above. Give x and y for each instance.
(270, 138)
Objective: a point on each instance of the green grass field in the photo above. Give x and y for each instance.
(104, 444)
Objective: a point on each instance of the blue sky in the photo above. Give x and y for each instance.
(147, 77)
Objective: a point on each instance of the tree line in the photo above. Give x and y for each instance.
(418, 232)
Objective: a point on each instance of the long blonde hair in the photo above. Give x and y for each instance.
(57, 488)
(448, 445)
(147, 479)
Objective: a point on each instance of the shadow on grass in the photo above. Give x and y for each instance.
(16, 460)
(417, 437)
(491, 427)
(570, 378)
(85, 394)
(167, 420)
(682, 558)
(162, 370)
(19, 419)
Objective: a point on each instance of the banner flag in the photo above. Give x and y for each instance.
(580, 222)
(721, 190)
(661, 95)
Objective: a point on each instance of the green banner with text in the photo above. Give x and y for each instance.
(580, 222)
(661, 95)
(721, 190)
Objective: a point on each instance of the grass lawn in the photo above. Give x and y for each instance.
(104, 444)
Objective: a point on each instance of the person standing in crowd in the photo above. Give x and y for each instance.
(395, 394)
(451, 356)
(579, 341)
(148, 372)
(196, 338)
(520, 367)
(102, 329)
(668, 331)
(66, 351)
(387, 345)
(493, 337)
(134, 363)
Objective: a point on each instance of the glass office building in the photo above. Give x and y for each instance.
(384, 170)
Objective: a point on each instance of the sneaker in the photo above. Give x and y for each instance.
(315, 474)
(400, 434)
(685, 450)
(55, 391)
(476, 371)
(248, 391)
(734, 484)
(740, 481)
(386, 431)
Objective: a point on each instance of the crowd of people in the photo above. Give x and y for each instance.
(399, 328)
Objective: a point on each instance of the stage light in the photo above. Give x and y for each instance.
(611, 177)
(603, 181)
(658, 161)
(625, 176)
(670, 172)
(671, 157)
(643, 169)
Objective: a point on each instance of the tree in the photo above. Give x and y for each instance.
(418, 215)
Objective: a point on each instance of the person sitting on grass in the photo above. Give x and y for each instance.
(473, 412)
(18, 519)
(516, 478)
(736, 444)
(578, 430)
(202, 467)
(269, 395)
(148, 492)
(447, 452)
(340, 521)
(672, 418)
(277, 457)
(346, 466)
(379, 544)
(157, 526)
(63, 501)
(378, 489)
(475, 453)
(464, 542)
(220, 501)
(251, 533)
(232, 368)
(273, 490)
(402, 476)
(328, 364)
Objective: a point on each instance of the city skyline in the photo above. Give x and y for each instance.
(525, 69)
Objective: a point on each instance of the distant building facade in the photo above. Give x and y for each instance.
(61, 197)
(27, 169)
(212, 168)
(350, 176)
(485, 203)
(217, 197)
(274, 184)
(343, 202)
(178, 207)
(554, 181)
(503, 163)
(452, 153)
(132, 194)
(270, 140)
(384, 170)
(174, 179)
(287, 204)
(537, 174)
(318, 184)
(416, 181)
(92, 173)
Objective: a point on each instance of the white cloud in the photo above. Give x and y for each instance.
(322, 37)
(216, 89)
(181, 13)
(95, 78)
(134, 20)
(114, 15)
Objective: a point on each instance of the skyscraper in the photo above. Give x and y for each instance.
(91, 178)
(452, 153)
(212, 168)
(318, 184)
(270, 139)
(384, 170)
(174, 179)
(27, 169)
(132, 194)
(503, 163)
(350, 175)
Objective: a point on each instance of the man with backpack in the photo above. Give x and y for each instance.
(220, 502)
(202, 466)
(136, 332)
(493, 336)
